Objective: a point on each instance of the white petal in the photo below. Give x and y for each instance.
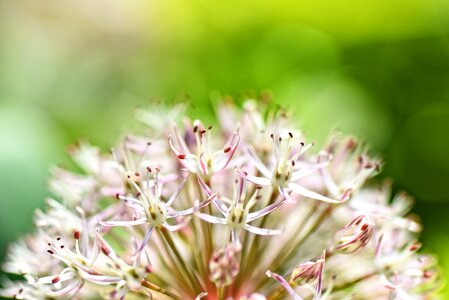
(263, 231)
(211, 219)
(258, 163)
(123, 223)
(264, 211)
(176, 227)
(295, 188)
(177, 192)
(254, 179)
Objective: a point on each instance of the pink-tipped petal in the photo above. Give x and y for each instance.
(285, 284)
(254, 179)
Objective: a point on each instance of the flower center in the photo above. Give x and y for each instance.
(156, 214)
(236, 217)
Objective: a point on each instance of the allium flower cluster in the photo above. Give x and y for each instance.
(249, 209)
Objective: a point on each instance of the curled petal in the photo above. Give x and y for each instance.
(222, 157)
(71, 288)
(188, 160)
(284, 283)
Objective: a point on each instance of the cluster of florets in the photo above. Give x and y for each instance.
(248, 210)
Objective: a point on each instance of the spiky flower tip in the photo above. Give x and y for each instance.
(249, 210)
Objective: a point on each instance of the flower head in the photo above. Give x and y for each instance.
(247, 210)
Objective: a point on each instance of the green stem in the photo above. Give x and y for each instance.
(194, 282)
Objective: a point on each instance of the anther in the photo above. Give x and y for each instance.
(105, 250)
(149, 169)
(227, 149)
(51, 252)
(76, 235)
(55, 280)
(181, 156)
(290, 134)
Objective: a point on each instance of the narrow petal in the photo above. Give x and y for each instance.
(73, 288)
(258, 163)
(145, 239)
(123, 223)
(307, 170)
(236, 240)
(285, 194)
(285, 284)
(176, 227)
(254, 179)
(217, 202)
(329, 182)
(201, 295)
(222, 157)
(186, 159)
(211, 219)
(189, 211)
(177, 192)
(295, 188)
(264, 211)
(263, 231)
(101, 279)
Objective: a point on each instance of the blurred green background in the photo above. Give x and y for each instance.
(78, 69)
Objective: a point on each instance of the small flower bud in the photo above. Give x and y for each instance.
(309, 271)
(224, 266)
(354, 235)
